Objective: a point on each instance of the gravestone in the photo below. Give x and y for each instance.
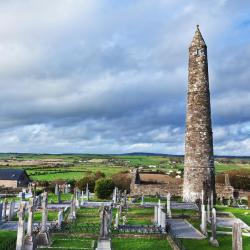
(203, 220)
(30, 242)
(72, 213)
(159, 213)
(87, 192)
(43, 236)
(208, 211)
(21, 227)
(11, 210)
(142, 200)
(115, 195)
(169, 214)
(156, 215)
(163, 220)
(56, 189)
(212, 200)
(60, 218)
(213, 240)
(236, 236)
(22, 196)
(5, 206)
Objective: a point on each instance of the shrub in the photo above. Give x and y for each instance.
(82, 183)
(90, 180)
(104, 188)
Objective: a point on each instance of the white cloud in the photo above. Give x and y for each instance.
(99, 76)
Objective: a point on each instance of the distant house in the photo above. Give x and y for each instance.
(13, 178)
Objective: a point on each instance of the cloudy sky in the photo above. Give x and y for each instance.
(108, 76)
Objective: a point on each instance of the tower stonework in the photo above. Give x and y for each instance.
(199, 160)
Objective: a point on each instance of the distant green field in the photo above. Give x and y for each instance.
(76, 166)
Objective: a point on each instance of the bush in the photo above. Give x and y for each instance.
(90, 180)
(104, 188)
(122, 180)
(82, 183)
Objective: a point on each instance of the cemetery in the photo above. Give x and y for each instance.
(122, 222)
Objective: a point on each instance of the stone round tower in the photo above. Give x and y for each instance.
(199, 161)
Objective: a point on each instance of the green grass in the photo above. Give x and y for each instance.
(71, 241)
(225, 243)
(139, 216)
(88, 215)
(54, 198)
(7, 235)
(52, 215)
(76, 172)
(140, 244)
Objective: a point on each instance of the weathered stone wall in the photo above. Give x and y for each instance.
(153, 189)
(199, 162)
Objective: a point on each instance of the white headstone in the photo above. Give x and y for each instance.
(203, 220)
(236, 236)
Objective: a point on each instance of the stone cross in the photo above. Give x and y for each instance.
(43, 236)
(213, 239)
(104, 230)
(237, 236)
(1, 210)
(5, 205)
(29, 242)
(44, 212)
(21, 228)
(60, 218)
(30, 216)
(203, 220)
(169, 206)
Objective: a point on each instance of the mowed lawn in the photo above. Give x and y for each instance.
(140, 244)
(139, 216)
(225, 243)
